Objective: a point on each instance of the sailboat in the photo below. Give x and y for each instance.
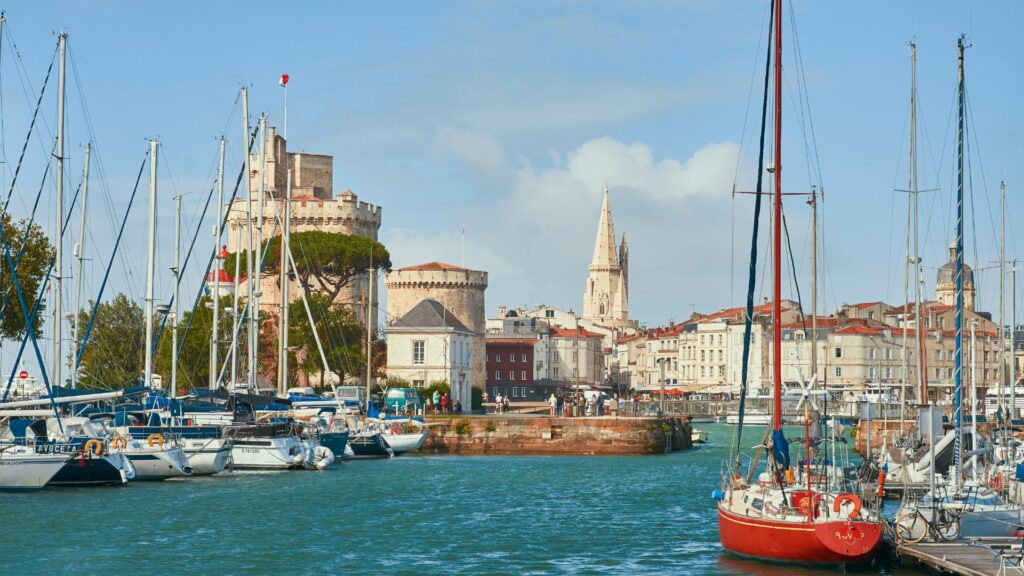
(959, 509)
(777, 518)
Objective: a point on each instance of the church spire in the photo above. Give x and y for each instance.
(604, 245)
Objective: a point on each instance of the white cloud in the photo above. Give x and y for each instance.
(480, 151)
(536, 240)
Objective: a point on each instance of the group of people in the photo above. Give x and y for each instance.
(442, 404)
(501, 403)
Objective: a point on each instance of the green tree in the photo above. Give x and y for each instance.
(115, 352)
(194, 347)
(331, 259)
(35, 261)
(340, 333)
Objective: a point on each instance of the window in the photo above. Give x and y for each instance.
(417, 351)
(938, 356)
(839, 370)
(497, 374)
(888, 372)
(554, 356)
(871, 372)
(702, 371)
(575, 356)
(938, 373)
(515, 392)
(888, 353)
(522, 374)
(524, 357)
(871, 353)
(719, 339)
(702, 355)
(721, 371)
(497, 358)
(554, 372)
(417, 383)
(549, 313)
(949, 373)
(512, 375)
(720, 356)
(839, 353)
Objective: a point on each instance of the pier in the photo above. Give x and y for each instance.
(522, 434)
(990, 558)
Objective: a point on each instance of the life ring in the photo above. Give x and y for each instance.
(155, 439)
(996, 482)
(118, 443)
(395, 430)
(847, 497)
(94, 446)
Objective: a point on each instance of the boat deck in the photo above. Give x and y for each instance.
(988, 558)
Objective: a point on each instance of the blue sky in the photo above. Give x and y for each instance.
(509, 118)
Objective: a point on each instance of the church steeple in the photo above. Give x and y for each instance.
(606, 300)
(604, 245)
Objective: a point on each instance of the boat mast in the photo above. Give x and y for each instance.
(370, 277)
(1002, 289)
(250, 380)
(150, 263)
(814, 283)
(282, 363)
(958, 393)
(919, 326)
(907, 262)
(257, 257)
(79, 253)
(58, 232)
(777, 229)
(214, 335)
(177, 280)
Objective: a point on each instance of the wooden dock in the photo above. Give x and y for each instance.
(964, 558)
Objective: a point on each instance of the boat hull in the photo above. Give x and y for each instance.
(207, 456)
(336, 441)
(822, 543)
(401, 443)
(89, 470)
(264, 453)
(369, 446)
(22, 470)
(158, 463)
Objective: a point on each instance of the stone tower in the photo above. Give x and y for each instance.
(460, 290)
(606, 298)
(945, 282)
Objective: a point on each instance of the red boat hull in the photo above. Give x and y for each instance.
(838, 542)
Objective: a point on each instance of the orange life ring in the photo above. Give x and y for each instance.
(155, 439)
(847, 497)
(94, 446)
(395, 430)
(996, 482)
(118, 443)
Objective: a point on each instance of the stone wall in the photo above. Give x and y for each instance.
(519, 435)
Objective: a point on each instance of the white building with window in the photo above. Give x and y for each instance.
(429, 344)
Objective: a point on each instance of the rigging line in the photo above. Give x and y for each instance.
(25, 236)
(106, 274)
(28, 136)
(981, 166)
(752, 274)
(792, 263)
(23, 78)
(802, 81)
(30, 329)
(750, 95)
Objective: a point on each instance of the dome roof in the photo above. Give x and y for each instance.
(947, 273)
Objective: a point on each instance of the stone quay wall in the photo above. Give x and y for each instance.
(501, 434)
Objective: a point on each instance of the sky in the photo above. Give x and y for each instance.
(507, 119)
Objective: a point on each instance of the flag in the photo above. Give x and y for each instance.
(284, 80)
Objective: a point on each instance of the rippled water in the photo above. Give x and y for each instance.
(409, 515)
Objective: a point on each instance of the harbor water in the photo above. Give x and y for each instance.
(409, 515)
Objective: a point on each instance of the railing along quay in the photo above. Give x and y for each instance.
(988, 557)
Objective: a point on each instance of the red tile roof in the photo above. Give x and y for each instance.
(560, 332)
(432, 266)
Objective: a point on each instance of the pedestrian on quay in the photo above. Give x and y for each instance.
(497, 402)
(458, 407)
(561, 406)
(428, 405)
(484, 403)
(437, 400)
(505, 404)
(553, 404)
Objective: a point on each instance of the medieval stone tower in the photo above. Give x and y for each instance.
(606, 298)
(460, 290)
(313, 207)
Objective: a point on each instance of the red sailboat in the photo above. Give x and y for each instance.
(784, 516)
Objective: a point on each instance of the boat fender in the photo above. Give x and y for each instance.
(847, 497)
(155, 439)
(790, 476)
(118, 443)
(881, 483)
(717, 494)
(395, 430)
(94, 446)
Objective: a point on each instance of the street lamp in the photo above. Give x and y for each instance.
(661, 406)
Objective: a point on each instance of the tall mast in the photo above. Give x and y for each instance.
(257, 256)
(1002, 289)
(250, 355)
(1013, 341)
(370, 277)
(777, 228)
(285, 247)
(79, 256)
(905, 376)
(177, 280)
(234, 307)
(958, 394)
(814, 282)
(58, 232)
(150, 262)
(919, 326)
(215, 336)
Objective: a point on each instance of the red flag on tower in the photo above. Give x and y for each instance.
(284, 80)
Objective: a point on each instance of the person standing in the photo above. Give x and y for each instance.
(553, 404)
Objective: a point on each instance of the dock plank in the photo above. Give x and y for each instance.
(959, 558)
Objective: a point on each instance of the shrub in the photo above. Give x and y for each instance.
(461, 426)
(490, 426)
